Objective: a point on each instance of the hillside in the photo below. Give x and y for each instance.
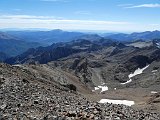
(3, 56)
(148, 35)
(46, 37)
(13, 46)
(89, 71)
(40, 92)
(56, 51)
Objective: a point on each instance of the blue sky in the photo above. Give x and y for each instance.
(99, 15)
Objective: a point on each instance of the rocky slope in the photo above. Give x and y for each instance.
(26, 92)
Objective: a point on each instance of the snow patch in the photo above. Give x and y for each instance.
(158, 45)
(154, 92)
(103, 83)
(136, 72)
(17, 65)
(96, 88)
(123, 102)
(130, 80)
(153, 71)
(103, 88)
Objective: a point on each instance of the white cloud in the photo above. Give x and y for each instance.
(51, 22)
(124, 5)
(25, 17)
(145, 6)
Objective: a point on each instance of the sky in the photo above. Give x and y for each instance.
(93, 15)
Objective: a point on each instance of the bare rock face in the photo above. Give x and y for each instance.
(138, 61)
(80, 67)
(71, 87)
(1, 81)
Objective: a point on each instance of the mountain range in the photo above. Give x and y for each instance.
(14, 43)
(84, 57)
(46, 37)
(13, 46)
(148, 35)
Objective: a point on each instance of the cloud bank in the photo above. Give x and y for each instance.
(145, 6)
(51, 22)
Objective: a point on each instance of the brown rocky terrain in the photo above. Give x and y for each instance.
(35, 92)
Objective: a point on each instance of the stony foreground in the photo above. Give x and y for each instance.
(26, 96)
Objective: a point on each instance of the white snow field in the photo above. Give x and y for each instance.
(153, 71)
(123, 102)
(136, 72)
(130, 80)
(154, 92)
(103, 88)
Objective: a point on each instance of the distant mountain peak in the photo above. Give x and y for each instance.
(147, 35)
(6, 36)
